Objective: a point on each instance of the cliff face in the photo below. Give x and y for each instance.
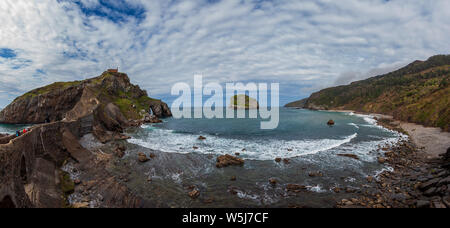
(297, 104)
(53, 102)
(419, 93)
(31, 172)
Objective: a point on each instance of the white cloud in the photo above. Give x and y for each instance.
(308, 44)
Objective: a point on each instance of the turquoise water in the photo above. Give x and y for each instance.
(300, 133)
(11, 128)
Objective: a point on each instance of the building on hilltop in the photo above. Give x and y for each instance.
(113, 70)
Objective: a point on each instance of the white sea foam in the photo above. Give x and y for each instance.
(354, 125)
(168, 141)
(316, 188)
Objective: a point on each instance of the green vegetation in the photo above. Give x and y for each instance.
(67, 184)
(249, 102)
(108, 87)
(46, 89)
(417, 93)
(237, 97)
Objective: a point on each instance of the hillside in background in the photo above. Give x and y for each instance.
(418, 93)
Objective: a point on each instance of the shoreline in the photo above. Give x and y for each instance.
(431, 141)
(419, 178)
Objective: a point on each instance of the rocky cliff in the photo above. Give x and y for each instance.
(419, 93)
(53, 102)
(108, 102)
(31, 166)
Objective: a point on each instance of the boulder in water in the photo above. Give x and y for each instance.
(201, 138)
(331, 123)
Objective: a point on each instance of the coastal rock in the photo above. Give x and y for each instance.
(233, 178)
(423, 204)
(151, 119)
(194, 194)
(349, 156)
(330, 123)
(143, 158)
(316, 174)
(278, 160)
(428, 184)
(272, 181)
(295, 188)
(160, 109)
(286, 161)
(120, 151)
(80, 205)
(201, 138)
(381, 160)
(228, 160)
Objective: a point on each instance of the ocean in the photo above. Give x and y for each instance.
(183, 162)
(11, 128)
(300, 133)
(302, 136)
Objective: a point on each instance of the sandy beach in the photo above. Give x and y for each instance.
(431, 141)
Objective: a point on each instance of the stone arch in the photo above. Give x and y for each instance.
(7, 202)
(23, 169)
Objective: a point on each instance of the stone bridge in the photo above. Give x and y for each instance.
(29, 164)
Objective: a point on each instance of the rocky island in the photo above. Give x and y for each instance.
(32, 165)
(243, 102)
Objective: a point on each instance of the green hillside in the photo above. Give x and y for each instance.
(418, 93)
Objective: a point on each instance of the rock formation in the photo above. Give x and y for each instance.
(330, 123)
(243, 102)
(228, 160)
(31, 172)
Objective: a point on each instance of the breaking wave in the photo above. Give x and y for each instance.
(170, 141)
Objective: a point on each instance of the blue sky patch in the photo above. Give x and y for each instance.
(7, 53)
(115, 10)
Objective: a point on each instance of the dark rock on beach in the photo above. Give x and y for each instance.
(349, 156)
(228, 160)
(143, 158)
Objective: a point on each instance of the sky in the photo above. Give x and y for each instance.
(304, 45)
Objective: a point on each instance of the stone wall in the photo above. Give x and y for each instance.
(29, 166)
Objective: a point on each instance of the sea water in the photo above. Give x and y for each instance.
(300, 133)
(303, 137)
(11, 128)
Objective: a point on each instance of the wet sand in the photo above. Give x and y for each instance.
(431, 141)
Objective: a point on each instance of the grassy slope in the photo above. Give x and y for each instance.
(126, 101)
(417, 93)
